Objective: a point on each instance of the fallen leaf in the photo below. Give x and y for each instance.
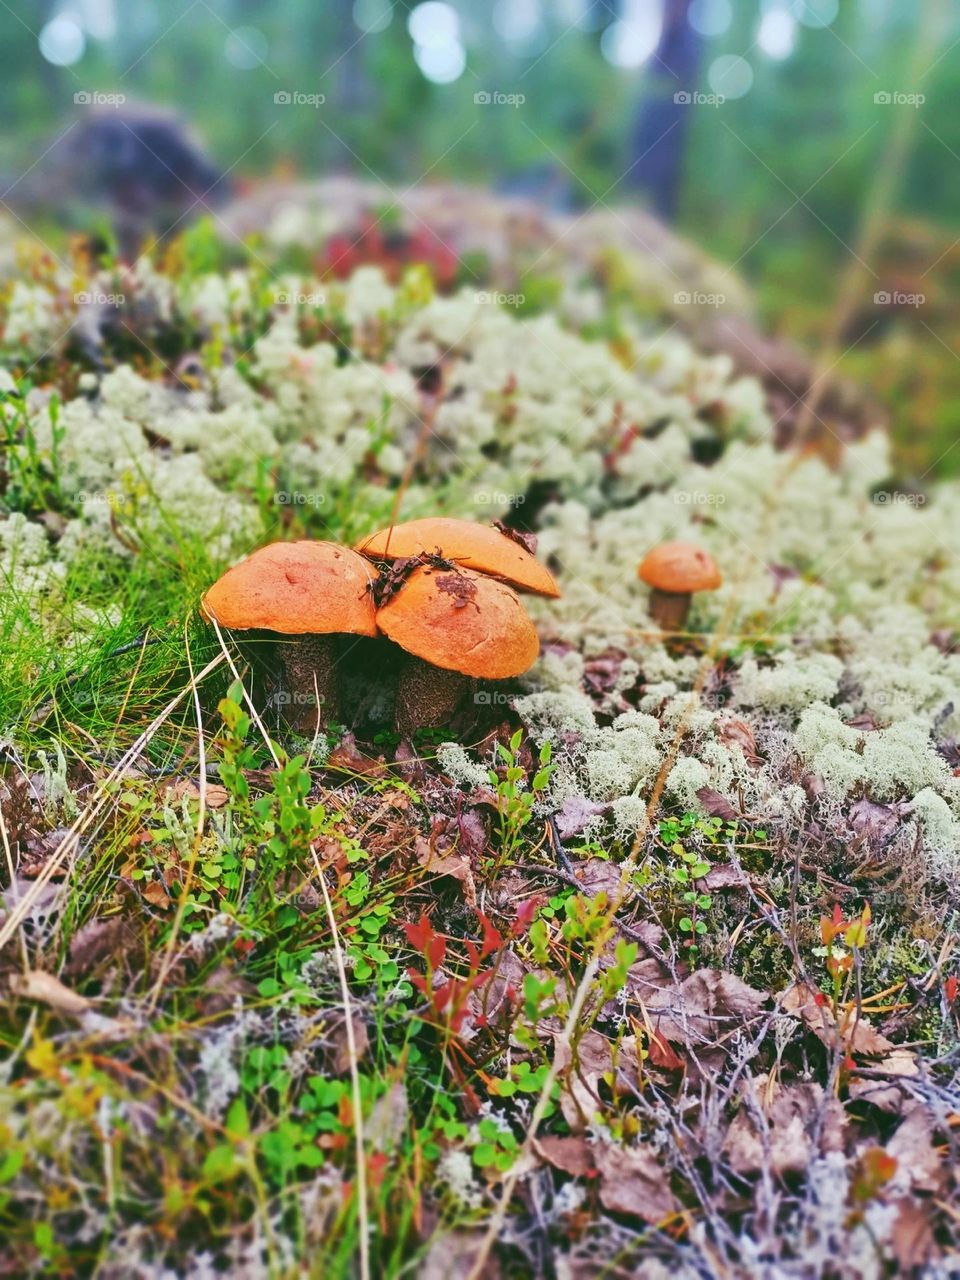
(888, 1095)
(387, 1121)
(47, 989)
(595, 1059)
(734, 732)
(775, 1128)
(216, 795)
(341, 1045)
(347, 757)
(455, 865)
(574, 814)
(571, 1155)
(717, 805)
(919, 1166)
(911, 1237)
(595, 875)
(854, 1032)
(633, 1181)
(156, 895)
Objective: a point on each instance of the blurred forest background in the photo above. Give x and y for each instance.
(790, 138)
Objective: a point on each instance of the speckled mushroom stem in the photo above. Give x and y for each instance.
(426, 695)
(669, 609)
(310, 698)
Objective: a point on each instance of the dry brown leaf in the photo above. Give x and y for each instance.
(595, 875)
(888, 1095)
(855, 1031)
(341, 1045)
(571, 1155)
(911, 1238)
(919, 1167)
(387, 1121)
(455, 865)
(156, 895)
(350, 759)
(633, 1181)
(702, 1010)
(790, 1113)
(216, 795)
(99, 940)
(49, 990)
(582, 1070)
(734, 732)
(717, 805)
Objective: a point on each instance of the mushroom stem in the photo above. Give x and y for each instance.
(669, 609)
(311, 698)
(426, 695)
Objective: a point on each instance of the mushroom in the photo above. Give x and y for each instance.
(674, 570)
(484, 548)
(453, 624)
(310, 592)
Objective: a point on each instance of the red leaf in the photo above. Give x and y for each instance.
(662, 1054)
(492, 938)
(950, 988)
(526, 913)
(422, 936)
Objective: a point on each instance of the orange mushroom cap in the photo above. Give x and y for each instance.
(296, 588)
(461, 621)
(475, 546)
(680, 567)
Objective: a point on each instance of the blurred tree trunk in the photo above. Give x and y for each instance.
(660, 130)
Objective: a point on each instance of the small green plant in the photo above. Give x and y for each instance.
(516, 794)
(33, 482)
(688, 839)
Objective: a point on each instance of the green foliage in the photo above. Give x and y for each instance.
(516, 793)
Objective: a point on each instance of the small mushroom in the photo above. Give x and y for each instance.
(674, 570)
(481, 547)
(310, 592)
(453, 624)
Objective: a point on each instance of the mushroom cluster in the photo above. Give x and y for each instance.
(305, 595)
(444, 591)
(456, 614)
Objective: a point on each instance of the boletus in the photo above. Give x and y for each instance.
(674, 571)
(490, 549)
(308, 594)
(454, 625)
